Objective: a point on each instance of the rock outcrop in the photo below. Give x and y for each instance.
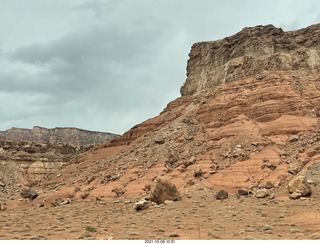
(251, 52)
(73, 136)
(26, 163)
(259, 126)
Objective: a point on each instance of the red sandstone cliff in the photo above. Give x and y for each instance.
(248, 114)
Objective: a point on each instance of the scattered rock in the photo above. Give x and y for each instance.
(243, 192)
(261, 193)
(222, 194)
(147, 188)
(91, 229)
(191, 161)
(294, 231)
(162, 189)
(54, 204)
(197, 172)
(269, 165)
(119, 192)
(311, 182)
(300, 184)
(84, 195)
(160, 140)
(295, 195)
(77, 189)
(143, 204)
(3, 207)
(315, 236)
(28, 193)
(189, 183)
(293, 170)
(269, 185)
(90, 179)
(294, 138)
(267, 227)
(2, 184)
(58, 202)
(174, 235)
(67, 201)
(40, 205)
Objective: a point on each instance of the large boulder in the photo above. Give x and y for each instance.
(222, 194)
(28, 193)
(300, 185)
(162, 189)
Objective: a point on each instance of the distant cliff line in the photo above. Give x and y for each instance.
(70, 135)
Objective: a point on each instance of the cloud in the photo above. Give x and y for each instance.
(95, 68)
(96, 43)
(99, 7)
(108, 65)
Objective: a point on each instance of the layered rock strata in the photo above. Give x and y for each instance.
(72, 136)
(252, 127)
(26, 163)
(249, 53)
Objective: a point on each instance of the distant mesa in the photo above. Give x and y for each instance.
(70, 135)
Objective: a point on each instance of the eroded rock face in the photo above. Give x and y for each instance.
(162, 189)
(256, 127)
(251, 52)
(26, 163)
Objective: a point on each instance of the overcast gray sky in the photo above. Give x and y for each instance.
(108, 65)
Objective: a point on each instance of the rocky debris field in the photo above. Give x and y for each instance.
(236, 157)
(197, 215)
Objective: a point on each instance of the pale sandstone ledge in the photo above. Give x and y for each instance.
(251, 52)
(68, 135)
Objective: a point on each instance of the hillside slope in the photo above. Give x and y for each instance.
(252, 121)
